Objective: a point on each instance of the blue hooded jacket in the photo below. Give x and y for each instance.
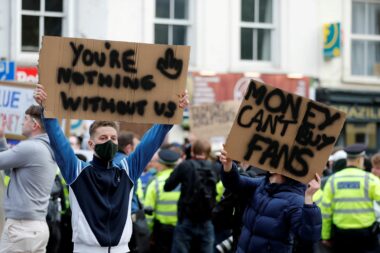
(274, 215)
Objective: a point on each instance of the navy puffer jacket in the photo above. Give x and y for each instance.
(275, 214)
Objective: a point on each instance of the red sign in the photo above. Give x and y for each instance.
(27, 74)
(223, 87)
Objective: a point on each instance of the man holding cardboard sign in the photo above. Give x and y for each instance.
(291, 137)
(284, 133)
(279, 211)
(101, 191)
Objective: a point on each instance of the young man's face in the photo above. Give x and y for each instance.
(28, 125)
(102, 135)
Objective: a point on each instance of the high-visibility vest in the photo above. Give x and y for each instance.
(317, 198)
(6, 180)
(219, 191)
(348, 200)
(163, 204)
(139, 190)
(66, 206)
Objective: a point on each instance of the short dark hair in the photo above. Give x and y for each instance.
(125, 138)
(201, 147)
(98, 123)
(35, 111)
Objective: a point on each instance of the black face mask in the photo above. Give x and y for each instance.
(106, 151)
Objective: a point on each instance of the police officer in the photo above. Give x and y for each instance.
(349, 222)
(162, 204)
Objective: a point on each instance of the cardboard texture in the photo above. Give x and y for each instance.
(109, 80)
(213, 120)
(283, 133)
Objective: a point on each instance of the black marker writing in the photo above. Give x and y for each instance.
(166, 109)
(263, 119)
(293, 159)
(116, 59)
(98, 103)
(66, 75)
(170, 66)
(274, 101)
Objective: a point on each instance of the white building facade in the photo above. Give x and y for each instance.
(268, 36)
(278, 41)
(351, 81)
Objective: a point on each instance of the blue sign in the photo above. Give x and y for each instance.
(7, 70)
(349, 185)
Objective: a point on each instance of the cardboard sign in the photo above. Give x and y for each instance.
(209, 121)
(284, 133)
(109, 80)
(14, 100)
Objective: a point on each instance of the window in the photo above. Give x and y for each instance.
(40, 17)
(361, 133)
(365, 38)
(172, 22)
(256, 30)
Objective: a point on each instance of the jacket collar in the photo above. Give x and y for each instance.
(289, 185)
(98, 162)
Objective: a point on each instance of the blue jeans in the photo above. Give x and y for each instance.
(188, 234)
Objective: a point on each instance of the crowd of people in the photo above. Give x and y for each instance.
(146, 195)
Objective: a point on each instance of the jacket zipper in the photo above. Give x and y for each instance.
(109, 215)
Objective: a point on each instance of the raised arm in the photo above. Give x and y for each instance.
(144, 152)
(235, 182)
(65, 157)
(150, 143)
(230, 176)
(306, 222)
(176, 177)
(67, 161)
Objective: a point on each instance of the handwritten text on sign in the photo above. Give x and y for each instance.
(210, 120)
(96, 79)
(283, 132)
